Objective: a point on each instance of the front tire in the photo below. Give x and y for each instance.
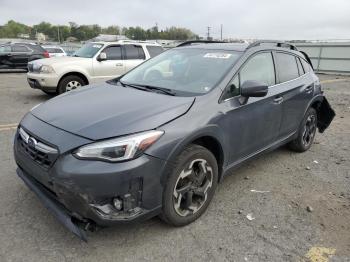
(306, 132)
(190, 186)
(69, 83)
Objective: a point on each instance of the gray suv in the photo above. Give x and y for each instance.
(158, 140)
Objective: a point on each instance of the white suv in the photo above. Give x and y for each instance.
(94, 62)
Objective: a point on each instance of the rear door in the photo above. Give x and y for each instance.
(252, 124)
(296, 89)
(112, 67)
(5, 53)
(20, 55)
(133, 56)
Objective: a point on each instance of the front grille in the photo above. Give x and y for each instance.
(42, 154)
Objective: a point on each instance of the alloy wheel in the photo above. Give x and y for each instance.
(192, 186)
(72, 85)
(309, 130)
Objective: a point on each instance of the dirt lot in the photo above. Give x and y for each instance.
(283, 228)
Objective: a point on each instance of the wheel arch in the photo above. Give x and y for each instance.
(314, 103)
(211, 138)
(73, 73)
(215, 147)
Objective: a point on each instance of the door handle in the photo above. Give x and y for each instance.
(119, 64)
(278, 100)
(309, 89)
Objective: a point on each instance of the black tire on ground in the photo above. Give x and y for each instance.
(62, 86)
(306, 132)
(200, 186)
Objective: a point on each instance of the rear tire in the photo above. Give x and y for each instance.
(69, 83)
(190, 186)
(306, 132)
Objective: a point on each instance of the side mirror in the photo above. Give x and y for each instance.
(254, 89)
(102, 57)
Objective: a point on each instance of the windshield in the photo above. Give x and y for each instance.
(187, 70)
(88, 50)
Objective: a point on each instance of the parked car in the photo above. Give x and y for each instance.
(158, 140)
(54, 51)
(94, 62)
(17, 55)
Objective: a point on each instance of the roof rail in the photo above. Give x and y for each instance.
(198, 42)
(135, 41)
(274, 42)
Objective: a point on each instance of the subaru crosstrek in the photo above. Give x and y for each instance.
(158, 140)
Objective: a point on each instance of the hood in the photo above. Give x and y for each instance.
(61, 60)
(104, 111)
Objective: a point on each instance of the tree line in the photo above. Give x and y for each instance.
(13, 29)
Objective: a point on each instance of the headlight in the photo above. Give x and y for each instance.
(119, 149)
(46, 69)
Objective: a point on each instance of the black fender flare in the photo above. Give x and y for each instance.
(325, 113)
(318, 98)
(212, 131)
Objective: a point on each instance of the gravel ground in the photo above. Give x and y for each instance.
(282, 229)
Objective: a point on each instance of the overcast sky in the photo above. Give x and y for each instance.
(274, 19)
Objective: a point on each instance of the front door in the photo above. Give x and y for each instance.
(110, 68)
(252, 124)
(20, 55)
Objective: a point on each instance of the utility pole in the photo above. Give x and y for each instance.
(208, 34)
(221, 31)
(58, 34)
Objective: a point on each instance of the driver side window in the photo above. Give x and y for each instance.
(258, 68)
(113, 53)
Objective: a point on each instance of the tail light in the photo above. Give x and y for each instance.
(46, 54)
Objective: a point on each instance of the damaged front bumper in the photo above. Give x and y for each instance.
(57, 209)
(81, 193)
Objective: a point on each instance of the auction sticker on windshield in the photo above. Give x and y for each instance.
(97, 46)
(217, 55)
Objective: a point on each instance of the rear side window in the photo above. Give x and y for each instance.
(113, 53)
(287, 67)
(19, 48)
(37, 48)
(54, 50)
(300, 68)
(306, 66)
(154, 50)
(134, 52)
(259, 68)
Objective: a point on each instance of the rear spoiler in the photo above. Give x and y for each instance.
(307, 58)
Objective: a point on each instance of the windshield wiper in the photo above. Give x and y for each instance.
(133, 86)
(148, 88)
(156, 88)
